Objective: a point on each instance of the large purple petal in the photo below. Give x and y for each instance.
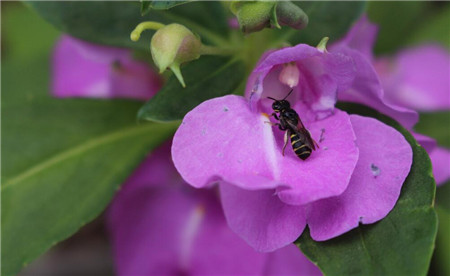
(260, 218)
(328, 170)
(222, 139)
(384, 163)
(417, 78)
(81, 69)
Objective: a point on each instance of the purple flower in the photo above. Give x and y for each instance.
(82, 69)
(354, 177)
(415, 79)
(160, 226)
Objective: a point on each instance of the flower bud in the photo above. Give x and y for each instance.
(173, 45)
(254, 16)
(289, 14)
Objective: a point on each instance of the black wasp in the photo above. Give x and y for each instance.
(289, 121)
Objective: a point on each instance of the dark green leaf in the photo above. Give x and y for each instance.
(206, 78)
(147, 5)
(400, 244)
(112, 22)
(440, 264)
(63, 160)
(326, 18)
(164, 5)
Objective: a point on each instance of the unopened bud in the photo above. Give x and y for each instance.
(289, 14)
(254, 16)
(289, 75)
(173, 45)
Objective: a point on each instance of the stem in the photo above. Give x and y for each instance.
(148, 25)
(219, 51)
(209, 35)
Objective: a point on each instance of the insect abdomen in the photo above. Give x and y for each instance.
(300, 148)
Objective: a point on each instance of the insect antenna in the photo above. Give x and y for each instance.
(284, 97)
(288, 94)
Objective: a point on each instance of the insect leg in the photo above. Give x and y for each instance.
(287, 134)
(275, 116)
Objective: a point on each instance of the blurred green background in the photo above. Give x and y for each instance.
(27, 39)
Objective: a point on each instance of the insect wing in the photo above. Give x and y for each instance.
(304, 134)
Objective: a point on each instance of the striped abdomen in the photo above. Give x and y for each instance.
(300, 148)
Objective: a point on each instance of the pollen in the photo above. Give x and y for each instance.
(265, 114)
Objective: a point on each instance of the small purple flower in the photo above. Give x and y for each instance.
(160, 226)
(354, 177)
(82, 69)
(415, 79)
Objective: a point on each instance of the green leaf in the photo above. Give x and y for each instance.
(147, 5)
(111, 23)
(326, 18)
(63, 160)
(400, 244)
(206, 78)
(440, 264)
(24, 33)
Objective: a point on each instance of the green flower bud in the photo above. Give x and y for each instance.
(254, 16)
(289, 14)
(173, 45)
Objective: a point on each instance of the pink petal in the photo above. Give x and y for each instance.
(367, 89)
(81, 69)
(289, 260)
(260, 218)
(426, 142)
(384, 163)
(328, 170)
(361, 36)
(223, 140)
(418, 78)
(440, 158)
